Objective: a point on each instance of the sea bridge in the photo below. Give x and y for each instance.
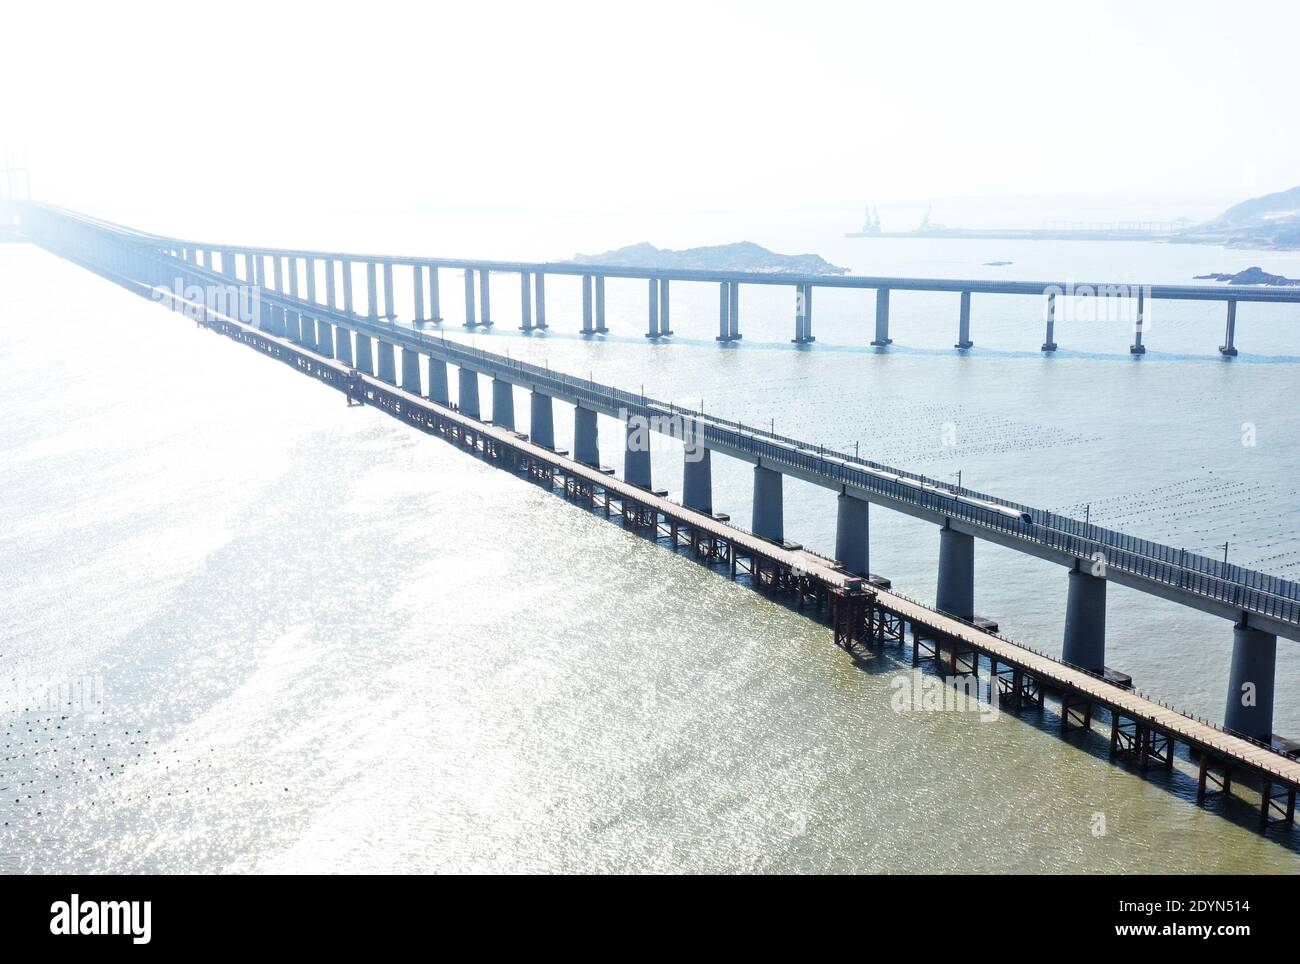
(359, 354)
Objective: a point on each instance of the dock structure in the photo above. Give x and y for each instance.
(863, 609)
(1132, 299)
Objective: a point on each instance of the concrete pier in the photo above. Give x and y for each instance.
(343, 345)
(586, 436)
(586, 305)
(1137, 348)
(503, 403)
(372, 292)
(1229, 346)
(435, 299)
(541, 420)
(387, 361)
(365, 361)
(291, 269)
(601, 328)
(277, 272)
(1249, 709)
(803, 315)
(652, 311)
(308, 331)
(417, 280)
(390, 305)
(469, 298)
(411, 370)
(882, 319)
(331, 286)
(733, 311)
(293, 327)
(324, 338)
(539, 299)
(1049, 341)
(724, 313)
(525, 303)
(956, 595)
(852, 541)
(468, 384)
(963, 323)
(768, 519)
(1085, 622)
(438, 390)
(309, 270)
(347, 287)
(697, 480)
(485, 298)
(636, 453)
(664, 327)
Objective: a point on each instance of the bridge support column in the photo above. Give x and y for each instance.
(411, 370)
(387, 362)
(586, 304)
(438, 391)
(803, 315)
(697, 479)
(435, 301)
(365, 359)
(343, 345)
(724, 312)
(1049, 343)
(586, 437)
(541, 420)
(468, 383)
(324, 338)
(1229, 346)
(1250, 683)
(963, 324)
(956, 595)
(1085, 622)
(390, 307)
(733, 312)
(636, 452)
(852, 542)
(539, 297)
(600, 328)
(417, 279)
(309, 270)
(652, 326)
(372, 292)
(768, 516)
(277, 273)
(347, 287)
(331, 291)
(293, 327)
(485, 298)
(250, 275)
(309, 332)
(882, 319)
(1137, 348)
(664, 327)
(291, 268)
(469, 298)
(525, 303)
(503, 403)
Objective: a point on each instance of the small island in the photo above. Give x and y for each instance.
(739, 256)
(1251, 276)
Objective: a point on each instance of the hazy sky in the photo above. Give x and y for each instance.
(607, 106)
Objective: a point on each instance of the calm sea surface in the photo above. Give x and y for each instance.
(302, 637)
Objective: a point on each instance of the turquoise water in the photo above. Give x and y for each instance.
(323, 642)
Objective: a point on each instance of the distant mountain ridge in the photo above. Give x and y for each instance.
(1269, 221)
(738, 256)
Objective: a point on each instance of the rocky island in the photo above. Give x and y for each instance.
(739, 256)
(1251, 276)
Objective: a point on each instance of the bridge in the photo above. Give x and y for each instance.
(359, 353)
(297, 271)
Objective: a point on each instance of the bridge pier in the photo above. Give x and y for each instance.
(347, 287)
(435, 300)
(956, 595)
(768, 520)
(293, 326)
(324, 338)
(411, 371)
(636, 452)
(652, 329)
(803, 314)
(697, 479)
(539, 296)
(485, 298)
(417, 279)
(343, 345)
(525, 303)
(733, 311)
(882, 319)
(1049, 344)
(541, 420)
(600, 305)
(331, 291)
(468, 392)
(277, 273)
(503, 402)
(852, 539)
(586, 304)
(724, 313)
(1085, 622)
(365, 359)
(963, 324)
(664, 327)
(1137, 348)
(438, 391)
(586, 437)
(390, 306)
(291, 269)
(372, 292)
(309, 332)
(387, 361)
(309, 271)
(1229, 346)
(469, 298)
(1250, 683)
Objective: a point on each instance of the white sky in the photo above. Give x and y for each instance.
(608, 106)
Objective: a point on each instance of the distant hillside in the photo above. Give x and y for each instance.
(1271, 221)
(740, 256)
